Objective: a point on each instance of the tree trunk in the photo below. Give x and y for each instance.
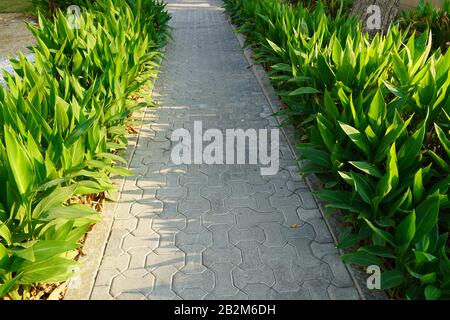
(376, 15)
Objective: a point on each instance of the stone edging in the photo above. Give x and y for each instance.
(333, 224)
(97, 239)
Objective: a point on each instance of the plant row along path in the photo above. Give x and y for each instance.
(214, 231)
(64, 119)
(373, 116)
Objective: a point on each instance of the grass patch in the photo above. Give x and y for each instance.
(12, 6)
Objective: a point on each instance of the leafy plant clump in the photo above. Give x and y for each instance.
(425, 18)
(333, 8)
(63, 120)
(373, 118)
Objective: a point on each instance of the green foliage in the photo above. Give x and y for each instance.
(425, 18)
(63, 120)
(50, 7)
(373, 116)
(333, 8)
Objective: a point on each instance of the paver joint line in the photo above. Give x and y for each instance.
(214, 231)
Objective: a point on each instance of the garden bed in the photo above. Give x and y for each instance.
(65, 120)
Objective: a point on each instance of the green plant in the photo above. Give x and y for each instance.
(425, 17)
(63, 120)
(333, 8)
(372, 116)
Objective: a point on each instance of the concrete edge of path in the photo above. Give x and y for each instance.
(97, 239)
(334, 225)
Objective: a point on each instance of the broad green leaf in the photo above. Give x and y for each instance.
(432, 293)
(378, 251)
(377, 110)
(4, 257)
(382, 234)
(357, 137)
(121, 171)
(21, 164)
(5, 233)
(56, 198)
(391, 279)
(51, 270)
(303, 90)
(443, 139)
(71, 212)
(367, 168)
(362, 187)
(361, 258)
(405, 231)
(426, 216)
(8, 285)
(418, 188)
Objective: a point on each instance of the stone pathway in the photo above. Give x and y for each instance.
(214, 231)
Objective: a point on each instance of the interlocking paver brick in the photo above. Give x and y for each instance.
(318, 289)
(183, 238)
(237, 234)
(221, 255)
(154, 260)
(300, 294)
(244, 277)
(182, 281)
(274, 236)
(198, 205)
(247, 217)
(162, 288)
(131, 241)
(223, 279)
(194, 259)
(337, 293)
(209, 219)
(132, 285)
(259, 291)
(200, 231)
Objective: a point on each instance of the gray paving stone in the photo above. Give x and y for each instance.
(203, 238)
(253, 233)
(209, 219)
(221, 255)
(250, 254)
(132, 285)
(300, 294)
(247, 217)
(154, 260)
(120, 262)
(201, 231)
(341, 276)
(243, 277)
(101, 292)
(274, 236)
(131, 241)
(343, 293)
(162, 288)
(318, 289)
(193, 262)
(259, 291)
(223, 279)
(198, 205)
(182, 281)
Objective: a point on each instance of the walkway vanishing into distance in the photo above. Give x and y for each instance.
(214, 231)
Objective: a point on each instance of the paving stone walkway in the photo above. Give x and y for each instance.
(214, 231)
